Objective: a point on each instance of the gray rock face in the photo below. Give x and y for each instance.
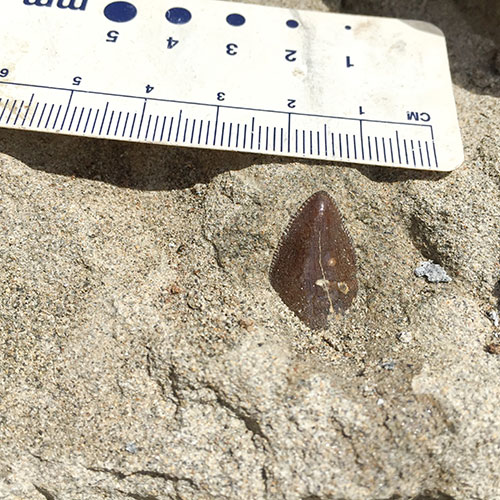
(145, 355)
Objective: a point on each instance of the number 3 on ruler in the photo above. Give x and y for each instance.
(231, 49)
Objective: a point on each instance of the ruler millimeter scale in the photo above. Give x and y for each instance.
(232, 76)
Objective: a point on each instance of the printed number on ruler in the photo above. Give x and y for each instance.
(232, 76)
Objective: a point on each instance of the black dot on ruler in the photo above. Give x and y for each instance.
(292, 23)
(235, 19)
(120, 12)
(347, 27)
(178, 15)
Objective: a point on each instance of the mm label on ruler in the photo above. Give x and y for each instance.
(231, 76)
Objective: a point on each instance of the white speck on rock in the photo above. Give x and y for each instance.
(434, 273)
(405, 337)
(495, 319)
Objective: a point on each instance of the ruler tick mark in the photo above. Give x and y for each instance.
(3, 111)
(434, 147)
(156, 128)
(245, 136)
(117, 123)
(79, 119)
(340, 145)
(208, 131)
(413, 152)
(369, 148)
(141, 121)
(95, 120)
(192, 131)
(57, 116)
(333, 144)
(216, 124)
(406, 150)
(67, 109)
(260, 133)
(133, 125)
(110, 122)
(398, 146)
(147, 128)
(41, 116)
(289, 130)
(252, 133)
(170, 128)
(361, 139)
(19, 112)
(237, 134)
(347, 145)
(376, 147)
(28, 110)
(390, 147)
(48, 117)
(103, 118)
(33, 115)
(86, 123)
(274, 138)
(326, 140)
(383, 149)
(72, 118)
(428, 155)
(11, 110)
(310, 142)
(355, 150)
(420, 151)
(318, 142)
(125, 124)
(282, 138)
(222, 133)
(163, 128)
(185, 130)
(199, 134)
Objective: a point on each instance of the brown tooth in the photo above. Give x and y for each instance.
(314, 267)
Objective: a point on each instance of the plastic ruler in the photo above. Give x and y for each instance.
(232, 76)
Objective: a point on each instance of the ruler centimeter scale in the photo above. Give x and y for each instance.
(232, 76)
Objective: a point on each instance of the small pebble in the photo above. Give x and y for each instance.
(433, 272)
(388, 365)
(380, 401)
(405, 337)
(131, 448)
(495, 319)
(493, 348)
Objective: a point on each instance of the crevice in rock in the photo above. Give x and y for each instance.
(251, 423)
(137, 496)
(173, 395)
(438, 495)
(216, 250)
(419, 232)
(149, 473)
(166, 477)
(117, 474)
(43, 491)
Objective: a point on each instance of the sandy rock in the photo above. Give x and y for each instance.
(145, 355)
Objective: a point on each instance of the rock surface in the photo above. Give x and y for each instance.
(144, 354)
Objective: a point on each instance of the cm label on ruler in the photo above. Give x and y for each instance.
(232, 76)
